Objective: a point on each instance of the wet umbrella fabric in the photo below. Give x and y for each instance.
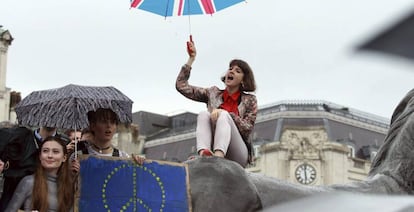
(67, 107)
(169, 8)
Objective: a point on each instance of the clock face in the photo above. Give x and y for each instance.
(305, 174)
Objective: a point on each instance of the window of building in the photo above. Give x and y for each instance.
(351, 151)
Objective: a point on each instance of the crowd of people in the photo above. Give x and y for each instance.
(46, 161)
(50, 165)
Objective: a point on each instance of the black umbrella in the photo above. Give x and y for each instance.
(396, 40)
(67, 107)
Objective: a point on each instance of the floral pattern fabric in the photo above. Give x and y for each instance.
(213, 97)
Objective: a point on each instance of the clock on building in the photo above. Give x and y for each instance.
(305, 173)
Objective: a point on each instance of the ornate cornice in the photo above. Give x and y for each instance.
(321, 114)
(6, 38)
(321, 105)
(304, 143)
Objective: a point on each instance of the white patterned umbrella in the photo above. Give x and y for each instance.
(67, 107)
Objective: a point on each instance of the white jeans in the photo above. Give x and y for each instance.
(223, 136)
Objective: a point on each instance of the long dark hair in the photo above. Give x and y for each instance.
(65, 191)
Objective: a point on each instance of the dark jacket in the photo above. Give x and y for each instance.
(18, 150)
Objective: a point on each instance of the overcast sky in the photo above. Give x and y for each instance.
(298, 50)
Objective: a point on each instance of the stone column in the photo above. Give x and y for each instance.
(5, 41)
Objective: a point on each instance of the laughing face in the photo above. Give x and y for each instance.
(52, 156)
(234, 77)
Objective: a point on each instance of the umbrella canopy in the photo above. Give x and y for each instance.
(397, 40)
(168, 8)
(67, 107)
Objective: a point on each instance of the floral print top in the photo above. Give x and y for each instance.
(213, 97)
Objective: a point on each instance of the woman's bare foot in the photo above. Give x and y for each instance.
(219, 153)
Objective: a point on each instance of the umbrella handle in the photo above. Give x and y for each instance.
(188, 45)
(76, 146)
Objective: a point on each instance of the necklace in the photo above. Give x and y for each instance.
(100, 149)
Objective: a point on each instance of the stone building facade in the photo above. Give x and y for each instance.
(305, 155)
(316, 142)
(308, 142)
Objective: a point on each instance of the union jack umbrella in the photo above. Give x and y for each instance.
(169, 8)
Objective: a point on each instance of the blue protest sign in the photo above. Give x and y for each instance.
(114, 184)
